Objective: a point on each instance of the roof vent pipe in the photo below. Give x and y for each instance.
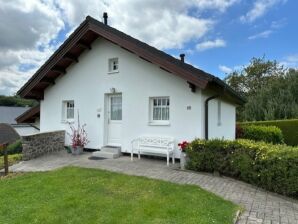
(182, 56)
(105, 18)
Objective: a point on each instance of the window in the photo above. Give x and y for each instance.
(116, 108)
(160, 110)
(113, 65)
(218, 113)
(68, 110)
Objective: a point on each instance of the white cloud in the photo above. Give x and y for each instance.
(260, 8)
(161, 23)
(225, 69)
(290, 61)
(27, 26)
(264, 34)
(210, 44)
(275, 25)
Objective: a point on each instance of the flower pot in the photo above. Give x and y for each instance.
(183, 160)
(76, 150)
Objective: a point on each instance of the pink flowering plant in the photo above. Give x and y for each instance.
(78, 135)
(183, 145)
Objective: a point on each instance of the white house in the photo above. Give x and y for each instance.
(124, 88)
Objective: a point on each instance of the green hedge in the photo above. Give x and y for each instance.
(289, 129)
(269, 134)
(272, 167)
(13, 148)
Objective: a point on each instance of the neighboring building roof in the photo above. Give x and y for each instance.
(29, 116)
(91, 29)
(9, 114)
(7, 134)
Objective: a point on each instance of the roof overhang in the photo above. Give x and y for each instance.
(29, 116)
(83, 37)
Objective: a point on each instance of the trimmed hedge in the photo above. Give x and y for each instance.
(269, 134)
(272, 167)
(289, 129)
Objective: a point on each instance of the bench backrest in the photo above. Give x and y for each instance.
(155, 141)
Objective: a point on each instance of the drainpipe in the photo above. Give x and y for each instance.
(207, 113)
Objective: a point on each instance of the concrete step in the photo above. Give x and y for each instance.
(111, 149)
(108, 155)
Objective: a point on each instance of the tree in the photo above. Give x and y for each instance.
(16, 101)
(270, 90)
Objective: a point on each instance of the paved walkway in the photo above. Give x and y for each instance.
(260, 206)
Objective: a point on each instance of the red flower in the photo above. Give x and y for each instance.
(183, 145)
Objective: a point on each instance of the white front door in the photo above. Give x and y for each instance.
(114, 115)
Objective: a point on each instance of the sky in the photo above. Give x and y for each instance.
(217, 36)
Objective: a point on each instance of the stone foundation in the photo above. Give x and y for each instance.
(42, 143)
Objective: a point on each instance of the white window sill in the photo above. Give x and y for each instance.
(113, 72)
(69, 121)
(159, 123)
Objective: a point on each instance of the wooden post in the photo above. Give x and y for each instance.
(5, 156)
(5, 160)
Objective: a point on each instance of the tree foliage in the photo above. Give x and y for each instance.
(270, 90)
(16, 101)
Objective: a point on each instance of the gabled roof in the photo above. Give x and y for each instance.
(29, 116)
(9, 114)
(89, 30)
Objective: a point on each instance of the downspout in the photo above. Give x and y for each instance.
(207, 114)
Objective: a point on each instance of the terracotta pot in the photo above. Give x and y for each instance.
(76, 150)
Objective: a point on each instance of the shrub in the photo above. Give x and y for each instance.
(270, 134)
(272, 167)
(13, 148)
(288, 127)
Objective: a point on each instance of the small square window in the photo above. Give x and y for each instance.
(113, 65)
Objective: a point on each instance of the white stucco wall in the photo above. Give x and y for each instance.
(88, 81)
(222, 127)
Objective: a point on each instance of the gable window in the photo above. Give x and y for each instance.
(160, 110)
(218, 113)
(113, 65)
(68, 110)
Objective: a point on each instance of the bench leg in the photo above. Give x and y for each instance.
(139, 155)
(131, 155)
(168, 159)
(173, 158)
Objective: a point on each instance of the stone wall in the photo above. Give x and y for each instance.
(42, 143)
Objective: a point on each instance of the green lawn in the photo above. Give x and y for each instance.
(12, 159)
(78, 195)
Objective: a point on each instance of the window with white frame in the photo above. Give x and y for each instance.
(113, 65)
(160, 110)
(68, 110)
(219, 113)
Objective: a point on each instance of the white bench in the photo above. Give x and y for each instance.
(154, 145)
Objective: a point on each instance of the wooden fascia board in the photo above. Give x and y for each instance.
(52, 61)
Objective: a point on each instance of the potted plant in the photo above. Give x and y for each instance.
(182, 146)
(78, 138)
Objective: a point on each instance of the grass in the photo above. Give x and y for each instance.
(12, 159)
(79, 195)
